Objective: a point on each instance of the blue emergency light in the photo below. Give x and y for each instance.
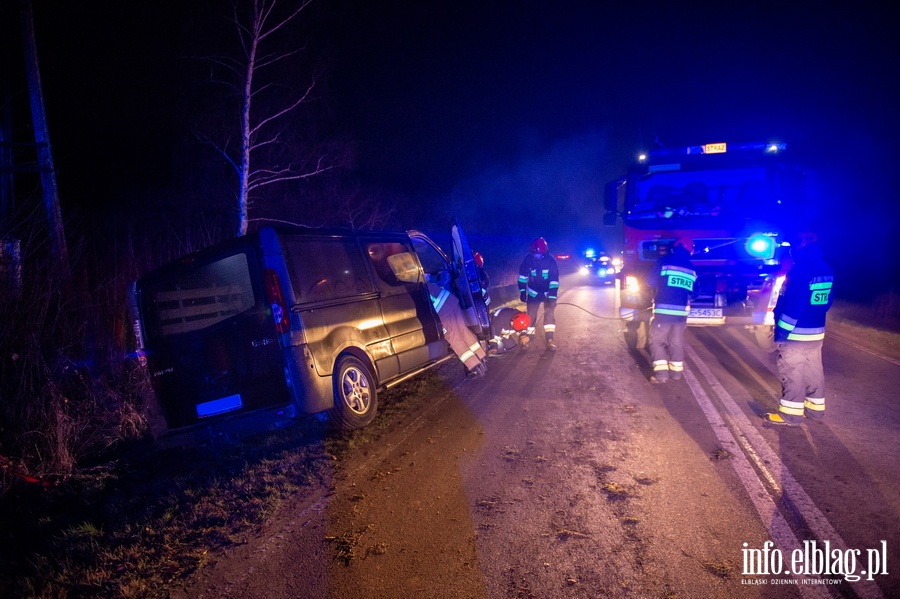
(761, 246)
(716, 148)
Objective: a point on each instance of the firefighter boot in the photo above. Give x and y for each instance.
(477, 371)
(660, 372)
(550, 345)
(778, 420)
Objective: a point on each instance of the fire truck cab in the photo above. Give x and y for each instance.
(733, 201)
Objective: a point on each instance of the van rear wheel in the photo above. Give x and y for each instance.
(355, 398)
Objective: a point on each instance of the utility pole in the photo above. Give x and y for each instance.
(42, 141)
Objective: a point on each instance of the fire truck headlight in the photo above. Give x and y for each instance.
(584, 271)
(761, 246)
(631, 285)
(776, 288)
(776, 291)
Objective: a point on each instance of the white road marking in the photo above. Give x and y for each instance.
(753, 446)
(779, 531)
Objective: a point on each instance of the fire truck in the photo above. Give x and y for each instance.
(734, 201)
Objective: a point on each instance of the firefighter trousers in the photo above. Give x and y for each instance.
(667, 347)
(532, 306)
(462, 340)
(799, 365)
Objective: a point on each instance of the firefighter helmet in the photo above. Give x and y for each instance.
(685, 242)
(539, 246)
(479, 260)
(520, 322)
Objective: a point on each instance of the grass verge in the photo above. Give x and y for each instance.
(147, 518)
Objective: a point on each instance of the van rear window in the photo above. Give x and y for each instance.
(198, 297)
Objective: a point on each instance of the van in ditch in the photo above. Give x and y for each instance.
(261, 329)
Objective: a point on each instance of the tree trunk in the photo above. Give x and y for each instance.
(246, 127)
(42, 140)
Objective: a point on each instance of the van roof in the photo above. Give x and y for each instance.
(259, 236)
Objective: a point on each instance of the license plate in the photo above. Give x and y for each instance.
(219, 406)
(705, 313)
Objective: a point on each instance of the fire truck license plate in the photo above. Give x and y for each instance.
(705, 313)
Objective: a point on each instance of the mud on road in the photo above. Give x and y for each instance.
(559, 474)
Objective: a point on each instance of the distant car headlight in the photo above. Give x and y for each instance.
(584, 271)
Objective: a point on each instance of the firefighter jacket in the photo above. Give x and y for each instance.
(673, 279)
(805, 297)
(539, 278)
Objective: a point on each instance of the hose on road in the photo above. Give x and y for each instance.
(541, 317)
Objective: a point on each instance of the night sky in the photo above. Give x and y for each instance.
(510, 115)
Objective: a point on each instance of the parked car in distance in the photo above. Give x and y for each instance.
(255, 331)
(599, 268)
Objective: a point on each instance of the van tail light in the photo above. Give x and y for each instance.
(275, 297)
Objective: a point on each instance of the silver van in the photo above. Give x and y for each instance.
(260, 329)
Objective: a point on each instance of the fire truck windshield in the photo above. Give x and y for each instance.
(691, 194)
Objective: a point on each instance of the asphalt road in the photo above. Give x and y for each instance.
(568, 474)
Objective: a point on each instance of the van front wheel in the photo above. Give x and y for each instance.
(355, 398)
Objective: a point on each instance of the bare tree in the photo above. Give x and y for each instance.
(42, 142)
(264, 155)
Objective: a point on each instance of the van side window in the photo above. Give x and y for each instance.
(386, 268)
(325, 268)
(200, 297)
(432, 262)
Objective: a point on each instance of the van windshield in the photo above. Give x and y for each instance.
(197, 297)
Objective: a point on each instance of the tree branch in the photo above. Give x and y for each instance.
(271, 118)
(283, 22)
(262, 178)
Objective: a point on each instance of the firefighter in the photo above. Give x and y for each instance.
(483, 280)
(803, 301)
(673, 282)
(509, 326)
(539, 285)
(462, 340)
